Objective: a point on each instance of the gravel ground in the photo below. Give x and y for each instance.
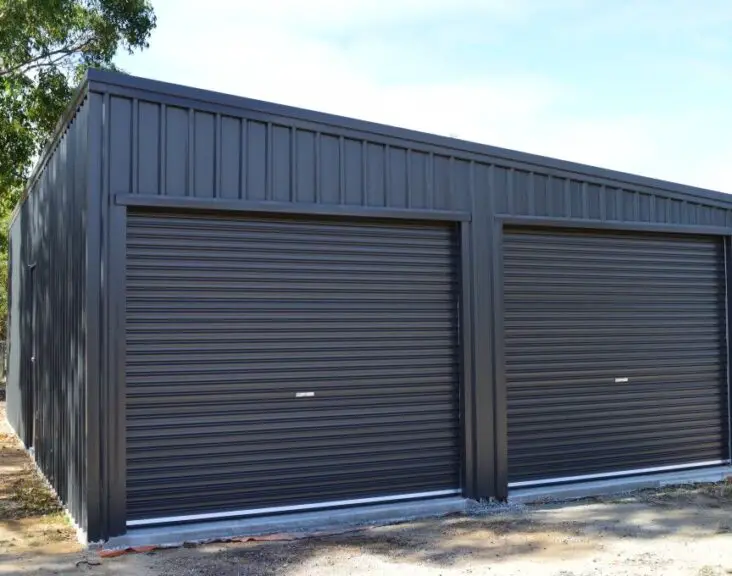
(676, 531)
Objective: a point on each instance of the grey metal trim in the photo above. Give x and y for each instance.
(483, 352)
(115, 367)
(132, 86)
(500, 394)
(610, 225)
(95, 483)
(467, 393)
(188, 203)
(582, 477)
(293, 508)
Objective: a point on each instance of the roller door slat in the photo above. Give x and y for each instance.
(615, 352)
(230, 318)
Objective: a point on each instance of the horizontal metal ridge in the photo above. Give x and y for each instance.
(172, 202)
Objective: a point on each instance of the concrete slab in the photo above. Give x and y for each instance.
(304, 522)
(609, 486)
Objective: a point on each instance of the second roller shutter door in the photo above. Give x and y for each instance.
(280, 362)
(615, 352)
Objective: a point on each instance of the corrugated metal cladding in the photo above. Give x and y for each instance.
(615, 352)
(544, 193)
(199, 151)
(190, 152)
(47, 319)
(274, 361)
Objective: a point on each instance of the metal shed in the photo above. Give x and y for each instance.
(222, 307)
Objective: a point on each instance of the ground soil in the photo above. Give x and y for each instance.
(30, 518)
(677, 531)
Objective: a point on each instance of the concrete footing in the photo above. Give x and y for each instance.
(304, 522)
(335, 520)
(609, 486)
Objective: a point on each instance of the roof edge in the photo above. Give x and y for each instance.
(99, 79)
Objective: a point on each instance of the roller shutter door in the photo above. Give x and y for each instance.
(279, 362)
(615, 353)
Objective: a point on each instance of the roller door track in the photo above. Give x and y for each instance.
(277, 364)
(615, 354)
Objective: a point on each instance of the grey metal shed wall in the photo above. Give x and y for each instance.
(543, 193)
(48, 233)
(173, 147)
(185, 142)
(181, 151)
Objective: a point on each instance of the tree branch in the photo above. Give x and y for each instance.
(46, 59)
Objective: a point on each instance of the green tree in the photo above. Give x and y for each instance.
(45, 48)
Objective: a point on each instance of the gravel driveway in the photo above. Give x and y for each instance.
(678, 531)
(686, 530)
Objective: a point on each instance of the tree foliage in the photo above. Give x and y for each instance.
(45, 48)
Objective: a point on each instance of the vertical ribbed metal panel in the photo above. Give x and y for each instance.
(545, 193)
(190, 152)
(615, 352)
(230, 319)
(48, 396)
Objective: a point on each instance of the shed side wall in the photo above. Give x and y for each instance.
(49, 234)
